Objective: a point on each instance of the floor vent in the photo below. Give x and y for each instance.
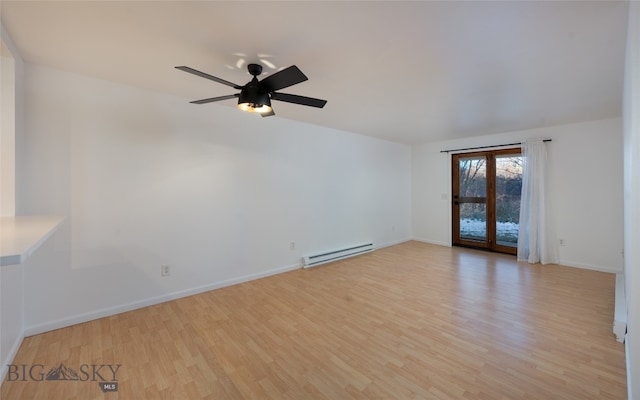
(317, 259)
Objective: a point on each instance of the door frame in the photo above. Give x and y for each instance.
(490, 201)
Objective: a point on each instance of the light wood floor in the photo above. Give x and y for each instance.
(413, 321)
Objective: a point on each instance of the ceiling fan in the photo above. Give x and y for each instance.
(256, 95)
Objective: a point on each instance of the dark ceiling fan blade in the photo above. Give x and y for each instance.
(212, 99)
(207, 76)
(292, 98)
(282, 79)
(268, 114)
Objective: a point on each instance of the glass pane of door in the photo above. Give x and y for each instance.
(472, 192)
(473, 222)
(508, 188)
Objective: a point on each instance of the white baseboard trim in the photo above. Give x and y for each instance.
(4, 368)
(429, 241)
(109, 311)
(620, 313)
(393, 243)
(628, 359)
(620, 330)
(574, 264)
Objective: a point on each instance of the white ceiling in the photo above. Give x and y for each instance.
(410, 72)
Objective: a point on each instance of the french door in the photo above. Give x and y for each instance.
(486, 199)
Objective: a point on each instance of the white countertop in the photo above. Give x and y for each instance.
(21, 236)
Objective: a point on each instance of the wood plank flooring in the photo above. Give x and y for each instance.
(413, 321)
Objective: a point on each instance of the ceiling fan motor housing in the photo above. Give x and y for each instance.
(254, 95)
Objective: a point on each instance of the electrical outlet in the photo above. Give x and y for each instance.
(561, 242)
(164, 270)
(292, 246)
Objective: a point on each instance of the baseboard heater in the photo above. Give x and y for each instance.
(335, 255)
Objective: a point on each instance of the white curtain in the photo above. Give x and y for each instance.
(534, 241)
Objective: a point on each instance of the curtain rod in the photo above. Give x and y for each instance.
(487, 147)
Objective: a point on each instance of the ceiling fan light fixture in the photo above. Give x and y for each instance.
(253, 99)
(253, 107)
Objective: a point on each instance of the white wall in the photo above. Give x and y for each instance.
(12, 123)
(7, 132)
(11, 277)
(148, 179)
(585, 189)
(632, 198)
